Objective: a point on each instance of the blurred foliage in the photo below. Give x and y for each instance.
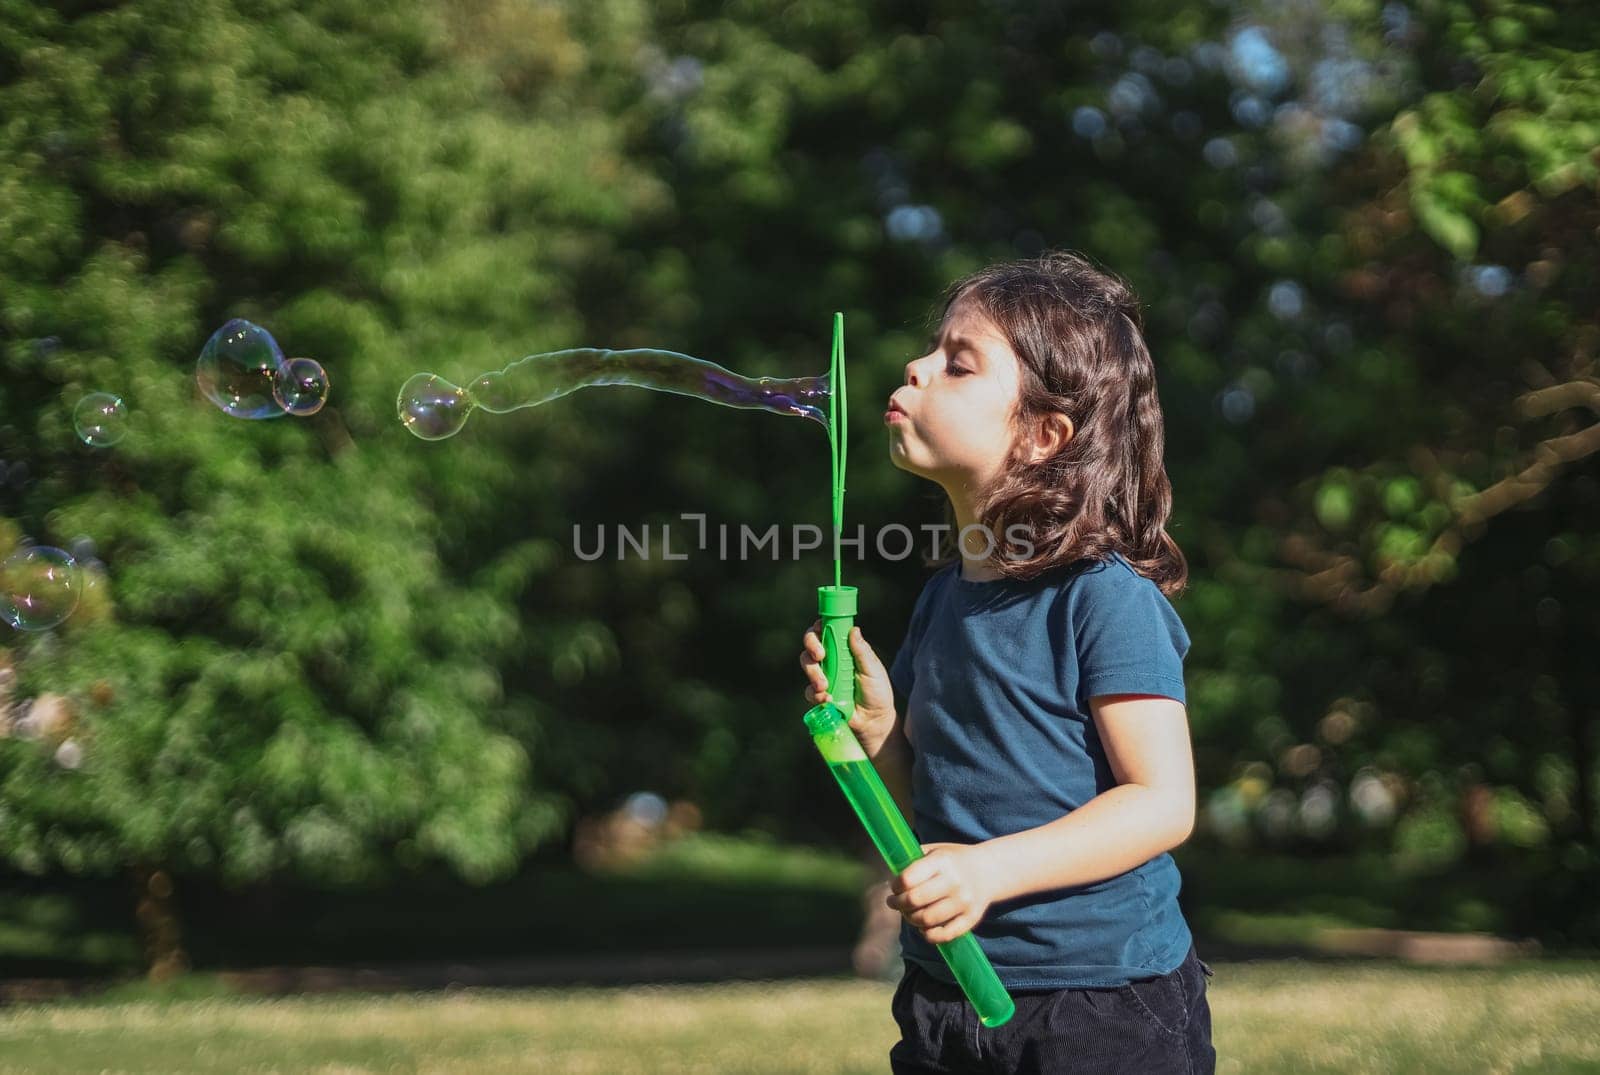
(298, 666)
(1364, 233)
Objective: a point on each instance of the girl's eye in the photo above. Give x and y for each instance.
(957, 371)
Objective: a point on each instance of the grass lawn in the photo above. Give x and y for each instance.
(1269, 1017)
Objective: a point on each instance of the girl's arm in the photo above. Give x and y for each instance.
(1151, 809)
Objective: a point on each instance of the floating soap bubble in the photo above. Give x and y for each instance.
(100, 419)
(39, 588)
(301, 386)
(238, 370)
(433, 408)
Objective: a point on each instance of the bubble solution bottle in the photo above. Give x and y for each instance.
(887, 826)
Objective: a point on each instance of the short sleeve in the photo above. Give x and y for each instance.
(902, 670)
(1129, 638)
(901, 677)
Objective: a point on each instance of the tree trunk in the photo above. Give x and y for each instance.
(158, 924)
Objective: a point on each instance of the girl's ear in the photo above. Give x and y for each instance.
(1050, 436)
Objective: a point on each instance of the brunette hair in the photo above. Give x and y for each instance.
(1077, 332)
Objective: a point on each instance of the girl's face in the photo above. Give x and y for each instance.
(951, 422)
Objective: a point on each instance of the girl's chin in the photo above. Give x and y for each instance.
(902, 461)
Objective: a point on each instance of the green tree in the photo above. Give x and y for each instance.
(291, 662)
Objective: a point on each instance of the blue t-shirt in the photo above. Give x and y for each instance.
(994, 681)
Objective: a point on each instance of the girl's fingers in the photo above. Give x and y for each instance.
(866, 657)
(938, 887)
(811, 662)
(938, 913)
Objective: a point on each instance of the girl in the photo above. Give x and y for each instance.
(1041, 744)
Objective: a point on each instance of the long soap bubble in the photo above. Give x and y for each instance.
(432, 408)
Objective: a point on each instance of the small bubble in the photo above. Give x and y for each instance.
(39, 588)
(301, 386)
(433, 408)
(100, 419)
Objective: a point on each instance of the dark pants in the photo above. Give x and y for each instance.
(1153, 1026)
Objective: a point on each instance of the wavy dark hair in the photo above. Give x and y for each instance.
(1078, 335)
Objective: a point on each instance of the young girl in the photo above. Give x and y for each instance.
(1040, 747)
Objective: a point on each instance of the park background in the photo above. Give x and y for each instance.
(338, 698)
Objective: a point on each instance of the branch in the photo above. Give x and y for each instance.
(1334, 578)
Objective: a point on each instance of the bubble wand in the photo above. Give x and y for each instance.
(839, 747)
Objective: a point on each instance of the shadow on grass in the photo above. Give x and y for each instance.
(707, 893)
(1278, 903)
(717, 906)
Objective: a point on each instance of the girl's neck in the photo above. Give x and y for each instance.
(976, 549)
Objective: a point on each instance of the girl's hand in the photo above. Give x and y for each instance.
(945, 893)
(873, 719)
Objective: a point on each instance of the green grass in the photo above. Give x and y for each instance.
(1267, 1017)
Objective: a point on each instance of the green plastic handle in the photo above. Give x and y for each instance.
(884, 822)
(836, 607)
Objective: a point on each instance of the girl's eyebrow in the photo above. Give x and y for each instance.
(962, 343)
(957, 342)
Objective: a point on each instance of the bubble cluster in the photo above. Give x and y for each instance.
(242, 370)
(238, 367)
(100, 419)
(39, 588)
(301, 386)
(432, 408)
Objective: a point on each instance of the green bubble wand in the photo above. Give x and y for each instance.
(839, 747)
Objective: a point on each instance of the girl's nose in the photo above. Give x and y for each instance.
(911, 372)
